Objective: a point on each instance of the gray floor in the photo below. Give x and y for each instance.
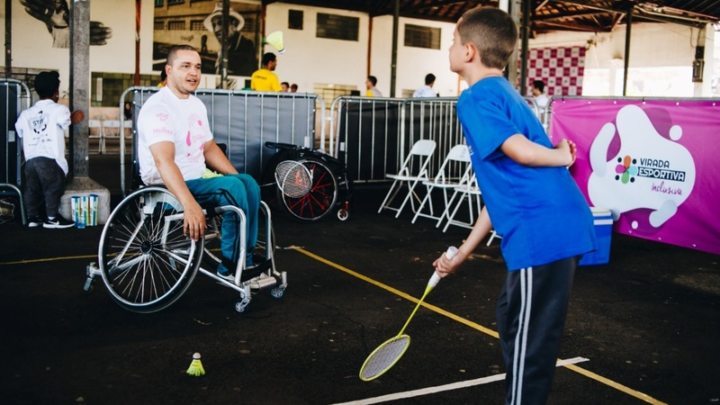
(647, 323)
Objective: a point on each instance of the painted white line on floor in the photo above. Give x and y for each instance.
(447, 387)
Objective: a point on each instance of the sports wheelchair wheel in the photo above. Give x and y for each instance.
(145, 260)
(321, 198)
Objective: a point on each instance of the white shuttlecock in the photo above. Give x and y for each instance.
(276, 40)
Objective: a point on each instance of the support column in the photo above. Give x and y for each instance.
(81, 183)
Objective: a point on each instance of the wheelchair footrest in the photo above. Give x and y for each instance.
(250, 273)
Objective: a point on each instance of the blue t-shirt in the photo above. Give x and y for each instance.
(539, 211)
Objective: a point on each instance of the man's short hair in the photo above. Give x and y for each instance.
(539, 84)
(172, 52)
(47, 83)
(268, 57)
(429, 79)
(373, 80)
(492, 31)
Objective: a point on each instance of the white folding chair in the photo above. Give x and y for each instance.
(454, 171)
(470, 192)
(412, 172)
(111, 130)
(97, 124)
(127, 127)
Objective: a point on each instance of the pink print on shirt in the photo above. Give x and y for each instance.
(195, 139)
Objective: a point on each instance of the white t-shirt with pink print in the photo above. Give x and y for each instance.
(166, 118)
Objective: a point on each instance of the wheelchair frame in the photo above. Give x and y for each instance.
(147, 263)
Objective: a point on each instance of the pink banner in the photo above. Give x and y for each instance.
(653, 163)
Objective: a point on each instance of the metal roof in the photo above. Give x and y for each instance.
(547, 15)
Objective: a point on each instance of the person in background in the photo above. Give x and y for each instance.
(284, 87)
(543, 236)
(177, 149)
(427, 89)
(293, 88)
(128, 110)
(264, 79)
(241, 56)
(42, 129)
(163, 79)
(538, 92)
(372, 91)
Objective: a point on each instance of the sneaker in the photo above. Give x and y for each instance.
(227, 277)
(58, 223)
(34, 222)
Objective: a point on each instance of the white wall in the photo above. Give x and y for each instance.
(32, 44)
(661, 52)
(308, 60)
(661, 57)
(413, 63)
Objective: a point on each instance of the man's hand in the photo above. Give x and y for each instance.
(194, 224)
(99, 33)
(41, 10)
(77, 116)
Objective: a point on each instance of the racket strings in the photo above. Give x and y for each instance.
(293, 178)
(384, 357)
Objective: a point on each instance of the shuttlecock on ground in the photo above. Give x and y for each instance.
(276, 39)
(196, 368)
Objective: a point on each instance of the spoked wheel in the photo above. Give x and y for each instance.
(321, 198)
(146, 261)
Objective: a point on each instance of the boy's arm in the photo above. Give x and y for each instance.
(482, 226)
(529, 153)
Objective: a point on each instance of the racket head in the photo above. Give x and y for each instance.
(293, 178)
(384, 357)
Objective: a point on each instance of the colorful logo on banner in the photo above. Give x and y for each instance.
(652, 163)
(649, 171)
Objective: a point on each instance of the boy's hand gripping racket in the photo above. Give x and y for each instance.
(387, 354)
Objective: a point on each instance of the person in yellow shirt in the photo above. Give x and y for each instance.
(264, 79)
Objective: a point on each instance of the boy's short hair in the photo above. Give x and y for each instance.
(429, 79)
(373, 80)
(539, 84)
(492, 31)
(47, 83)
(267, 58)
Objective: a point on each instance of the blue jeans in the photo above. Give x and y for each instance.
(239, 190)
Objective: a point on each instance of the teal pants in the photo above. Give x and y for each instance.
(239, 190)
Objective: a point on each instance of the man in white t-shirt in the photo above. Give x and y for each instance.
(177, 149)
(427, 89)
(42, 129)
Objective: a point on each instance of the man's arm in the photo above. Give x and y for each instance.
(216, 159)
(528, 153)
(164, 155)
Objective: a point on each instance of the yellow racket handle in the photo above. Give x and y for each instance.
(434, 280)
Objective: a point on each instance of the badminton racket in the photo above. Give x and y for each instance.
(389, 352)
(293, 178)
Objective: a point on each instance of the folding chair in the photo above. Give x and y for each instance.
(467, 191)
(412, 172)
(454, 171)
(97, 135)
(111, 130)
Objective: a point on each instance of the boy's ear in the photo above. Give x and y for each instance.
(471, 52)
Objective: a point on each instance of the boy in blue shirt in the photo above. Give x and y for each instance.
(530, 199)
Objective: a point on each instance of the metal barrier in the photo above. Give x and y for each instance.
(372, 136)
(276, 117)
(12, 94)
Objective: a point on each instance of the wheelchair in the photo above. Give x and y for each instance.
(330, 187)
(147, 263)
